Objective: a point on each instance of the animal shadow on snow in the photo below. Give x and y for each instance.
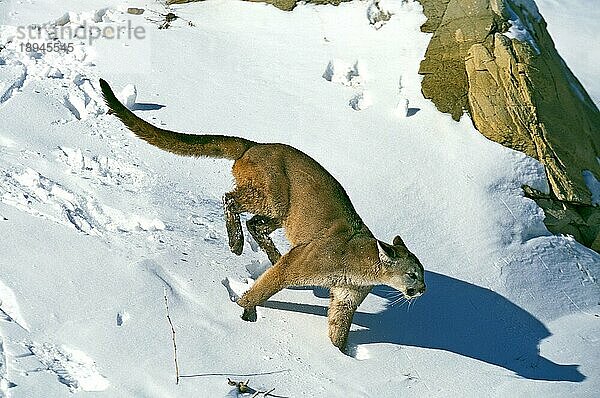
(462, 318)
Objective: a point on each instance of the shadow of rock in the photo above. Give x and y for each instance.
(146, 107)
(462, 318)
(412, 111)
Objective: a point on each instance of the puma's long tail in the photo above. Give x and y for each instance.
(214, 146)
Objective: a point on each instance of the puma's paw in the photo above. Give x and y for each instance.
(237, 246)
(249, 314)
(236, 289)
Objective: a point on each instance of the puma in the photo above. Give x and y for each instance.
(283, 187)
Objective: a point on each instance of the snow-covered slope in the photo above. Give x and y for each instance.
(574, 26)
(97, 227)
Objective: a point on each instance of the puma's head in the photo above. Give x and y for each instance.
(401, 269)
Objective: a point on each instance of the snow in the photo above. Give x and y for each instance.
(402, 108)
(128, 95)
(519, 29)
(72, 367)
(9, 307)
(344, 73)
(98, 226)
(574, 33)
(593, 185)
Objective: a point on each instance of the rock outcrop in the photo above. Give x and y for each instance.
(285, 5)
(579, 220)
(495, 60)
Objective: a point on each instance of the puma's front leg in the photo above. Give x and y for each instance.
(344, 302)
(273, 280)
(265, 286)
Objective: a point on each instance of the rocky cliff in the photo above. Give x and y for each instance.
(286, 5)
(495, 60)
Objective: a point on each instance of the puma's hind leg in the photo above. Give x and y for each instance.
(260, 227)
(233, 224)
(244, 198)
(344, 302)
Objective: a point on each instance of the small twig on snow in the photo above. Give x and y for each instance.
(236, 374)
(244, 388)
(165, 20)
(173, 338)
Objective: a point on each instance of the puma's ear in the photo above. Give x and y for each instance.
(386, 252)
(398, 241)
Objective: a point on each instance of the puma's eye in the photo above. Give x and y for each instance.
(412, 275)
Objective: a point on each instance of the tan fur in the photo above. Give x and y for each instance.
(284, 187)
(216, 146)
